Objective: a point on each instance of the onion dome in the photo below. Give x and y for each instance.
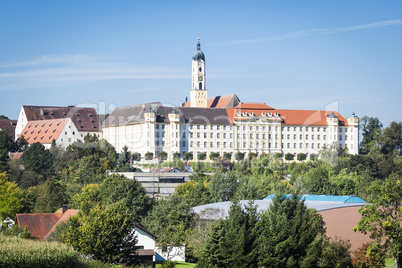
(198, 54)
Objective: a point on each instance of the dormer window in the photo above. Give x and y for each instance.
(244, 113)
(270, 114)
(251, 113)
(238, 113)
(264, 113)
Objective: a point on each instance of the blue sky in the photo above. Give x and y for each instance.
(289, 54)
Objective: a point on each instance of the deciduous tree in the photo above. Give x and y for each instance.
(10, 198)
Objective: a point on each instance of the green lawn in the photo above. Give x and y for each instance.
(389, 263)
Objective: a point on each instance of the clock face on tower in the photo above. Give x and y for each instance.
(200, 78)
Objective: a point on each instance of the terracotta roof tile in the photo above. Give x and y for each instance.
(145, 252)
(225, 101)
(10, 124)
(44, 131)
(38, 224)
(64, 218)
(308, 117)
(253, 106)
(84, 119)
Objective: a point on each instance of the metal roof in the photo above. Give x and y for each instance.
(331, 198)
(219, 210)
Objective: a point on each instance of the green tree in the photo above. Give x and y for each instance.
(105, 234)
(301, 156)
(136, 156)
(52, 195)
(371, 130)
(88, 198)
(176, 155)
(194, 193)
(289, 156)
(38, 159)
(382, 217)
(188, 156)
(10, 198)
(201, 156)
(227, 156)
(278, 155)
(288, 234)
(369, 255)
(213, 155)
(22, 144)
(335, 253)
(6, 145)
(239, 156)
(149, 156)
(162, 156)
(170, 219)
(223, 186)
(391, 139)
(232, 242)
(251, 155)
(3, 117)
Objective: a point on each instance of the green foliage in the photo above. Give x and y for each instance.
(223, 186)
(162, 156)
(194, 193)
(370, 128)
(369, 255)
(3, 117)
(251, 156)
(6, 145)
(301, 156)
(10, 198)
(278, 155)
(289, 156)
(22, 144)
(239, 156)
(170, 220)
(38, 159)
(136, 156)
(188, 156)
(213, 155)
(176, 155)
(227, 156)
(149, 156)
(51, 195)
(383, 215)
(391, 139)
(201, 156)
(232, 241)
(60, 232)
(18, 252)
(288, 234)
(104, 234)
(88, 198)
(335, 253)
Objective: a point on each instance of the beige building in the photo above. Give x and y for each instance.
(224, 124)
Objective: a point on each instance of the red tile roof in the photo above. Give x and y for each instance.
(253, 106)
(308, 117)
(40, 225)
(10, 124)
(145, 252)
(44, 131)
(85, 119)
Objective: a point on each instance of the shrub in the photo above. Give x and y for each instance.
(213, 155)
(227, 156)
(301, 156)
(149, 156)
(289, 156)
(239, 156)
(368, 255)
(188, 156)
(278, 155)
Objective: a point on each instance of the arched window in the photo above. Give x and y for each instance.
(200, 69)
(200, 85)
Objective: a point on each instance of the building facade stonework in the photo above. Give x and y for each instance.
(224, 124)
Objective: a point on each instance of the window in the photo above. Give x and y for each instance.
(276, 128)
(340, 137)
(198, 144)
(191, 126)
(191, 144)
(257, 136)
(244, 136)
(205, 126)
(312, 128)
(224, 127)
(191, 134)
(312, 137)
(306, 145)
(205, 135)
(324, 129)
(157, 126)
(183, 144)
(300, 145)
(263, 145)
(288, 136)
(276, 145)
(282, 136)
(251, 128)
(157, 143)
(238, 127)
(198, 135)
(251, 136)
(340, 129)
(244, 145)
(294, 145)
(301, 128)
(318, 146)
(269, 145)
(163, 126)
(224, 135)
(205, 144)
(218, 135)
(312, 146)
(283, 128)
(218, 144)
(231, 145)
(269, 136)
(264, 128)
(212, 127)
(257, 128)
(294, 136)
(163, 143)
(184, 135)
(269, 128)
(69, 139)
(346, 137)
(157, 134)
(306, 129)
(301, 136)
(73, 132)
(288, 145)
(288, 128)
(257, 145)
(318, 137)
(324, 137)
(212, 145)
(211, 135)
(238, 136)
(251, 145)
(276, 136)
(163, 134)
(263, 136)
(224, 145)
(231, 135)
(217, 127)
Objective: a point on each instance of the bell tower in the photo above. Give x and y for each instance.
(198, 94)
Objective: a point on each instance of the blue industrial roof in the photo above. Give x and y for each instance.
(328, 198)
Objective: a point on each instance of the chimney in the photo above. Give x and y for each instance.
(64, 208)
